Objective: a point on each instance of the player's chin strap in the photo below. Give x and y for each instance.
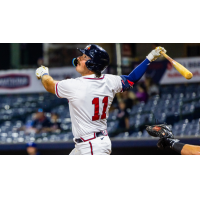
(74, 62)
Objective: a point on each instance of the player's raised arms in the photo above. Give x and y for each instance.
(49, 84)
(91, 96)
(47, 81)
(138, 72)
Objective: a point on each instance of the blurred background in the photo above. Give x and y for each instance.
(33, 121)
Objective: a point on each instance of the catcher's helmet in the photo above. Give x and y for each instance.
(99, 58)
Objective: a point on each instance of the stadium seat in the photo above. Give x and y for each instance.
(174, 103)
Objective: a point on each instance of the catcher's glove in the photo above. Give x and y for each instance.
(161, 131)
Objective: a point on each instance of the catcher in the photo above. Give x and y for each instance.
(166, 136)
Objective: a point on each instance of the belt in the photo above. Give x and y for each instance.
(79, 140)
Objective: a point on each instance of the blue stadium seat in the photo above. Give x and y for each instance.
(17, 110)
(122, 135)
(133, 135)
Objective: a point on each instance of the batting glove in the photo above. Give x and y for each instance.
(41, 71)
(155, 54)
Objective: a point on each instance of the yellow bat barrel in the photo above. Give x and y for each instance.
(180, 68)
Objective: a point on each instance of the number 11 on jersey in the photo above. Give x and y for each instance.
(96, 108)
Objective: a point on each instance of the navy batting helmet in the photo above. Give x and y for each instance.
(99, 58)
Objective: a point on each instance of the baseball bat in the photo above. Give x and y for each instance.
(182, 70)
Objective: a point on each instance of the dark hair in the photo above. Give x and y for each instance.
(98, 74)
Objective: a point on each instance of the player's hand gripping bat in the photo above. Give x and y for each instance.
(182, 70)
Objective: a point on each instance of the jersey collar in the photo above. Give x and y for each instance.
(92, 76)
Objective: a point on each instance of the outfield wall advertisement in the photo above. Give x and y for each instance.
(162, 72)
(25, 81)
(172, 76)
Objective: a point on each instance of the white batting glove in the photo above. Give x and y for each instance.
(155, 54)
(41, 71)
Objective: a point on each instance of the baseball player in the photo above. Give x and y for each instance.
(91, 96)
(166, 136)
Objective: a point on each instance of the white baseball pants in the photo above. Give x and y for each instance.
(98, 146)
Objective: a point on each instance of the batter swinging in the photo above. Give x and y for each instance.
(91, 96)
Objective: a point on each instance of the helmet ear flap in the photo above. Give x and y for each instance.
(89, 64)
(93, 67)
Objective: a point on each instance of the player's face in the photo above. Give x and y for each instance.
(81, 67)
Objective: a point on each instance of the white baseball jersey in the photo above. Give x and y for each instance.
(89, 99)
